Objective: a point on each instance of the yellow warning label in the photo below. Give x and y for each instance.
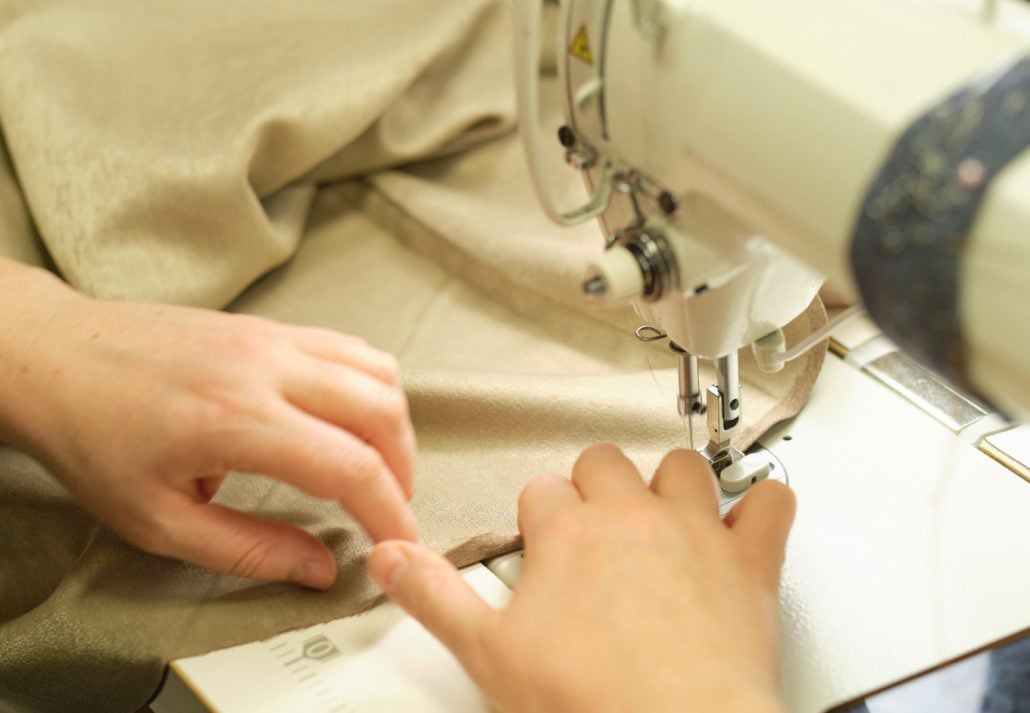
(580, 47)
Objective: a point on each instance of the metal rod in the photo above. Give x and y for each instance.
(727, 370)
(688, 400)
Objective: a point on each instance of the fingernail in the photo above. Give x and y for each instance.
(314, 574)
(387, 565)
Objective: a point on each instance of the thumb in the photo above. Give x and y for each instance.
(432, 591)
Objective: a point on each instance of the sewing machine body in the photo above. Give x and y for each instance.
(742, 137)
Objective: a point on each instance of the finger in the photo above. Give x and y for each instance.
(207, 488)
(328, 463)
(432, 591)
(686, 478)
(603, 472)
(372, 411)
(230, 541)
(762, 520)
(544, 497)
(348, 350)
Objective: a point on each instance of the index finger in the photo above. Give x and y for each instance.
(374, 412)
(685, 477)
(329, 463)
(603, 472)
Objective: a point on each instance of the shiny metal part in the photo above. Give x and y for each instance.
(647, 333)
(926, 390)
(723, 407)
(582, 157)
(719, 451)
(1011, 448)
(688, 401)
(595, 286)
(727, 370)
(655, 257)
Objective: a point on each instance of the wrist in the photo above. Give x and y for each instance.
(35, 298)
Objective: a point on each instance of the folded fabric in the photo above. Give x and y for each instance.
(148, 135)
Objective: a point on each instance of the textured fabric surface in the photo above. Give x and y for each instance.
(185, 179)
(149, 136)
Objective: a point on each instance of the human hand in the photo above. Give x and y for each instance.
(141, 410)
(631, 598)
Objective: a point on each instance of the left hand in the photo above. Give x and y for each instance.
(631, 598)
(142, 409)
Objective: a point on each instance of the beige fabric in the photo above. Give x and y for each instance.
(18, 237)
(146, 134)
(162, 149)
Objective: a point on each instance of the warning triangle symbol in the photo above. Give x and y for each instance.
(580, 47)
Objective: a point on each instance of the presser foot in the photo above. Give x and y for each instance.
(736, 471)
(756, 456)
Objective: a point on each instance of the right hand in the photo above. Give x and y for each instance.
(142, 409)
(631, 598)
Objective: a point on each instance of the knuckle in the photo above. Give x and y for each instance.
(365, 466)
(390, 367)
(684, 459)
(392, 408)
(214, 406)
(253, 561)
(246, 344)
(214, 421)
(642, 521)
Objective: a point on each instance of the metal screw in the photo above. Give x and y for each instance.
(595, 286)
(668, 203)
(567, 136)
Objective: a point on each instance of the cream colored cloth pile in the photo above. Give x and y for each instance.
(178, 152)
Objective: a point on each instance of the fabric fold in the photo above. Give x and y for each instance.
(145, 135)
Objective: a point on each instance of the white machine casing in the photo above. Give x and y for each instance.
(765, 123)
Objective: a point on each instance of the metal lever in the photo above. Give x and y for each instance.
(527, 86)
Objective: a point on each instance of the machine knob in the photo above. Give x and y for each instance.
(615, 277)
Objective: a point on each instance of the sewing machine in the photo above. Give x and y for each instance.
(739, 151)
(730, 147)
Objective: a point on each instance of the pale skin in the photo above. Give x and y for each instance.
(633, 597)
(141, 410)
